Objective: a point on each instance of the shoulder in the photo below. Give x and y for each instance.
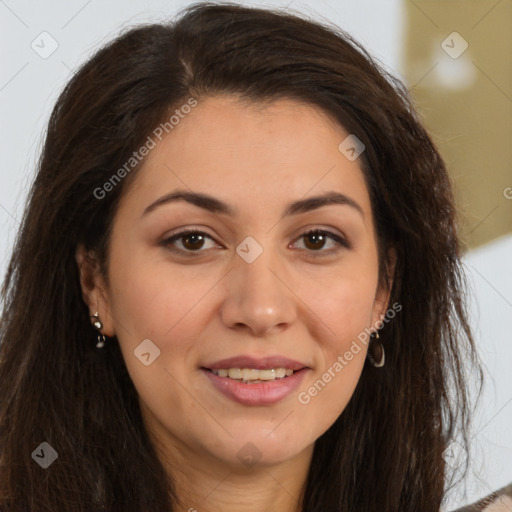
(498, 501)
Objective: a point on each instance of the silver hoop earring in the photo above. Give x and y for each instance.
(376, 353)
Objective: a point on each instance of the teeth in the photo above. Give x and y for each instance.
(235, 373)
(252, 374)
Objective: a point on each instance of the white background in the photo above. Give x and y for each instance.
(29, 86)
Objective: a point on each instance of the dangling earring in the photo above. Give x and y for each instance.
(376, 353)
(98, 325)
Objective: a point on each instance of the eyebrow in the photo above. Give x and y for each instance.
(215, 205)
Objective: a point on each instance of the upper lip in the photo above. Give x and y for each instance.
(263, 363)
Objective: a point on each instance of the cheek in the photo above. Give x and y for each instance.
(344, 303)
(155, 300)
(345, 312)
(158, 303)
(324, 396)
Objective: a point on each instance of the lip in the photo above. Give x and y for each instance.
(264, 393)
(263, 363)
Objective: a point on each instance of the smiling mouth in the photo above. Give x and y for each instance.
(253, 375)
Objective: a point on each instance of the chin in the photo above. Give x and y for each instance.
(253, 452)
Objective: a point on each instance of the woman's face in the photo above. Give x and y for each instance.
(250, 286)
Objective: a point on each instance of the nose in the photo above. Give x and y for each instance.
(258, 298)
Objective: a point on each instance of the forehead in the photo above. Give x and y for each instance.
(245, 152)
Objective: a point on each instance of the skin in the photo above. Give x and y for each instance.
(215, 305)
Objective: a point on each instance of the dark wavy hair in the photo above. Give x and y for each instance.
(385, 451)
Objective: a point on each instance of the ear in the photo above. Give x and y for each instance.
(94, 289)
(383, 294)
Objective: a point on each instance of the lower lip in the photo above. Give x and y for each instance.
(262, 393)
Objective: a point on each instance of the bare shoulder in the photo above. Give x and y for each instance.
(498, 501)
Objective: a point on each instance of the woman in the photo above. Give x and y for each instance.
(237, 283)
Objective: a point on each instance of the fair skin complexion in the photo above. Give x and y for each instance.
(215, 305)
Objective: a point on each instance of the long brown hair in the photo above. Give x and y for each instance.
(385, 451)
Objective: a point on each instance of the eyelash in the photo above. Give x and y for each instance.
(342, 243)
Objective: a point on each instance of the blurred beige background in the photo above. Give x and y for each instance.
(465, 96)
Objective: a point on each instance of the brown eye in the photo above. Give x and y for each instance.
(191, 241)
(315, 240)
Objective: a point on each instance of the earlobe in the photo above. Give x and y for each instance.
(93, 288)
